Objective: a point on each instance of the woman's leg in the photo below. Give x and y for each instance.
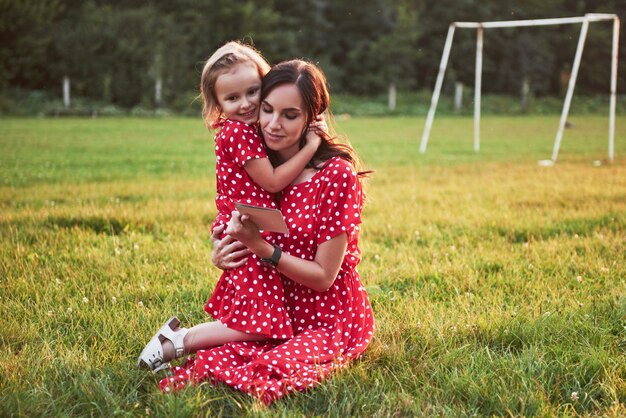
(207, 335)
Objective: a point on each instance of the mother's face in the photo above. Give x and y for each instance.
(283, 120)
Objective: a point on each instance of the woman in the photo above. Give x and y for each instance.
(328, 306)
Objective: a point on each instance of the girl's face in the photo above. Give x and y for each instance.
(283, 120)
(238, 93)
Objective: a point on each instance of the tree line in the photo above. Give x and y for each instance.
(118, 51)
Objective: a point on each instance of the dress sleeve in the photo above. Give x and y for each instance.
(243, 143)
(340, 202)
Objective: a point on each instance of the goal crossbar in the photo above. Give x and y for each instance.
(480, 26)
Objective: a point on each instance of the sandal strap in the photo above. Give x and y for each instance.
(177, 338)
(152, 354)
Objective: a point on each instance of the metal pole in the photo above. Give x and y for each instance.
(158, 91)
(66, 92)
(477, 87)
(570, 88)
(458, 96)
(589, 17)
(528, 22)
(437, 91)
(391, 102)
(613, 88)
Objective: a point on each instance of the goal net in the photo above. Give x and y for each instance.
(481, 26)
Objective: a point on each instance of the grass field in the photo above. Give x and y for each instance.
(499, 287)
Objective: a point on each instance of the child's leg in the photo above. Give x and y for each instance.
(207, 335)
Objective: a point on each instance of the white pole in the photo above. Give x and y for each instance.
(525, 94)
(435, 99)
(477, 87)
(519, 23)
(613, 88)
(66, 92)
(458, 96)
(158, 91)
(589, 17)
(392, 97)
(570, 88)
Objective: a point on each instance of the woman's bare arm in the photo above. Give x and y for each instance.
(318, 274)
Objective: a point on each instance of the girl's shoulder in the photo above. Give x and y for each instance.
(235, 130)
(232, 125)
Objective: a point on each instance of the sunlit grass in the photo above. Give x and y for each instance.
(499, 287)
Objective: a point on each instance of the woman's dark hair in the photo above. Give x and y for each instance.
(311, 83)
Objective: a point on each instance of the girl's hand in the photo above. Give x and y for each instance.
(313, 139)
(319, 125)
(316, 130)
(242, 229)
(228, 253)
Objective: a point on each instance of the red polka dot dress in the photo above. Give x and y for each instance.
(248, 298)
(330, 327)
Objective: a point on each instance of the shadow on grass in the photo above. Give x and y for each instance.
(525, 365)
(101, 225)
(568, 227)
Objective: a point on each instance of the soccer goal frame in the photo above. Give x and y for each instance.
(480, 26)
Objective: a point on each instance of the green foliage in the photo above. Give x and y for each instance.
(542, 55)
(24, 30)
(115, 51)
(18, 102)
(491, 104)
(497, 285)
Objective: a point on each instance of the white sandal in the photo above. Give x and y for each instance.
(152, 355)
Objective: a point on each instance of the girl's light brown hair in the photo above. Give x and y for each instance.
(222, 61)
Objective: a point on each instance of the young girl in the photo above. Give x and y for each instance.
(247, 303)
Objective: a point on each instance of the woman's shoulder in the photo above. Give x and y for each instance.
(327, 172)
(337, 166)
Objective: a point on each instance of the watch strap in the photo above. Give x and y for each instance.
(273, 260)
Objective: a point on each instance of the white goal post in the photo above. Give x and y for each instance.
(480, 26)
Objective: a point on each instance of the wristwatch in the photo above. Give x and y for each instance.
(273, 260)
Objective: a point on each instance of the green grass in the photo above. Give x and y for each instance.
(19, 102)
(498, 286)
(418, 103)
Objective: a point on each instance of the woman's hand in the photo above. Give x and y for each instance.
(228, 253)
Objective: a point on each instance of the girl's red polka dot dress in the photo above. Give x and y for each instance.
(249, 298)
(330, 327)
